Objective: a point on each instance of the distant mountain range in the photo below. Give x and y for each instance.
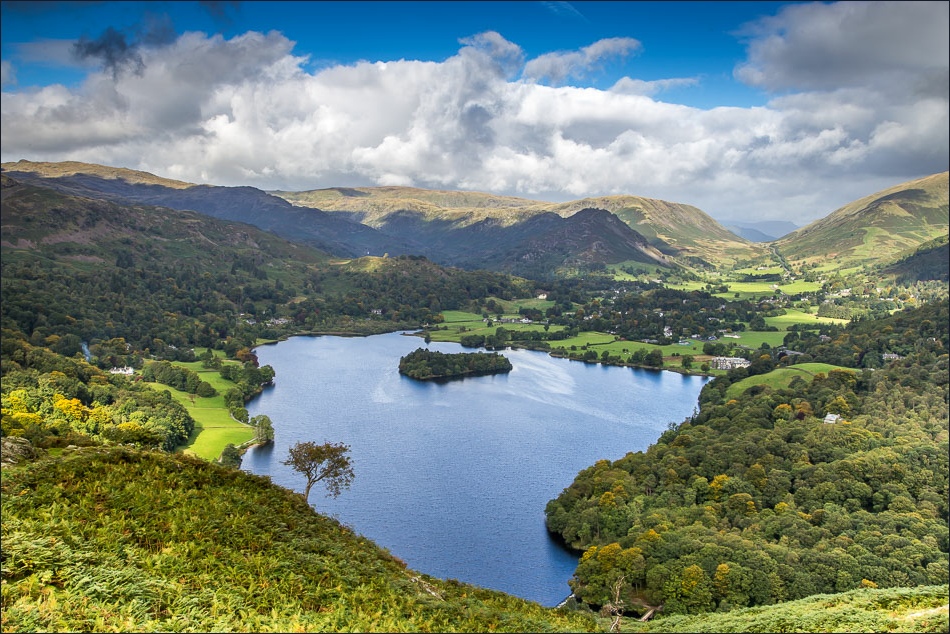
(765, 231)
(464, 229)
(521, 236)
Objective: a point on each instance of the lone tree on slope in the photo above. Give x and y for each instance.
(328, 462)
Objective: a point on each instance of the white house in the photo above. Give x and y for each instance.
(728, 363)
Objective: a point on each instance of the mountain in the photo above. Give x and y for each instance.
(326, 232)
(590, 237)
(469, 230)
(676, 230)
(765, 231)
(876, 228)
(84, 232)
(750, 234)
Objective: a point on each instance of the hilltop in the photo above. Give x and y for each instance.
(884, 225)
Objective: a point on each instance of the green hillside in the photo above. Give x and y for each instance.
(125, 540)
(780, 378)
(921, 609)
(876, 228)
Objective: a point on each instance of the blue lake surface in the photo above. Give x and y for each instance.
(453, 477)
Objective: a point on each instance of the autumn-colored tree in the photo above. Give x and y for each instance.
(328, 463)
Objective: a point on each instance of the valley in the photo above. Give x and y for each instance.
(843, 320)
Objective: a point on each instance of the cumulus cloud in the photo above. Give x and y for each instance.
(557, 67)
(848, 44)
(245, 111)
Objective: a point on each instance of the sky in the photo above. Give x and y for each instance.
(750, 111)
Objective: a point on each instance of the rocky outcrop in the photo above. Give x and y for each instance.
(14, 450)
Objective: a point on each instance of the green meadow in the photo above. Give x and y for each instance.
(214, 427)
(780, 378)
(751, 290)
(796, 316)
(459, 323)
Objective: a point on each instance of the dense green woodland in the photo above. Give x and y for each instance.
(427, 364)
(756, 500)
(57, 401)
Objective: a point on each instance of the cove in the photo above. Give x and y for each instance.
(453, 477)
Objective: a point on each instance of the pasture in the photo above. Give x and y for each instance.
(214, 427)
(780, 377)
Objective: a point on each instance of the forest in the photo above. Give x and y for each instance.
(764, 498)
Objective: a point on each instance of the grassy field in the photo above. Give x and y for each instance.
(920, 609)
(795, 316)
(780, 378)
(459, 324)
(750, 290)
(214, 427)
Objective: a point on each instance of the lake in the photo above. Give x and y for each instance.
(453, 477)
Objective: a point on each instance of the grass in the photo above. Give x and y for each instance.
(920, 609)
(780, 378)
(796, 316)
(751, 290)
(460, 323)
(214, 426)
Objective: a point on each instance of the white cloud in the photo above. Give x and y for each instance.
(245, 112)
(824, 47)
(557, 67)
(628, 86)
(7, 74)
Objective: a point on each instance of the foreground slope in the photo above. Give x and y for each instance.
(920, 609)
(875, 228)
(116, 539)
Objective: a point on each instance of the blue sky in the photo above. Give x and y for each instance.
(748, 110)
(687, 39)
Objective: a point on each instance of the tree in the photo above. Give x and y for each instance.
(265, 428)
(328, 462)
(231, 457)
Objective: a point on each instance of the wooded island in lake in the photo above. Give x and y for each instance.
(424, 364)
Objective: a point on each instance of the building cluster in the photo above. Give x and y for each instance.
(728, 363)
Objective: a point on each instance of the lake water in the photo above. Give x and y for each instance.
(453, 477)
